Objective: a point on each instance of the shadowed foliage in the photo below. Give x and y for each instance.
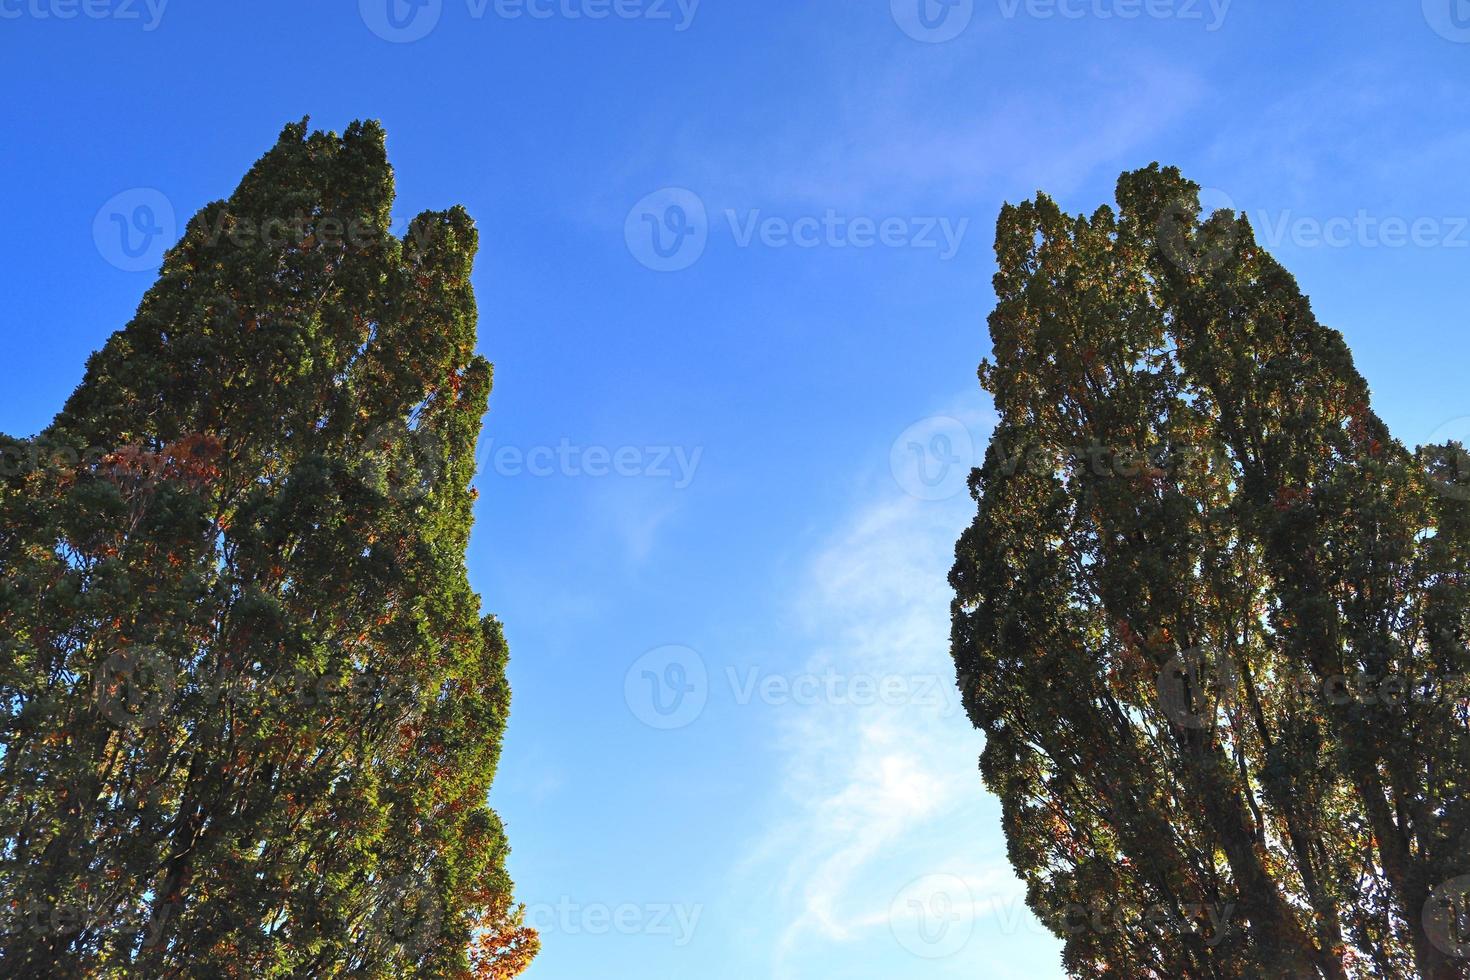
(1211, 616)
(250, 708)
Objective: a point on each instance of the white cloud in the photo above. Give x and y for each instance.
(881, 791)
(911, 131)
(902, 151)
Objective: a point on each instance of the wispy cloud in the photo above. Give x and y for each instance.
(900, 147)
(879, 791)
(914, 130)
(635, 512)
(1343, 130)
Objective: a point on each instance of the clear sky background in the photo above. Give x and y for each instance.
(734, 751)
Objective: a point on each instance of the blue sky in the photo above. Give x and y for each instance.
(735, 266)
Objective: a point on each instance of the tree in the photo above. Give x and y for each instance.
(1210, 615)
(251, 709)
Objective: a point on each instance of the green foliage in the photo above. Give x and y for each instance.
(251, 711)
(1211, 616)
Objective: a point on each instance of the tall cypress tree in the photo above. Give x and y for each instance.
(251, 709)
(1211, 615)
